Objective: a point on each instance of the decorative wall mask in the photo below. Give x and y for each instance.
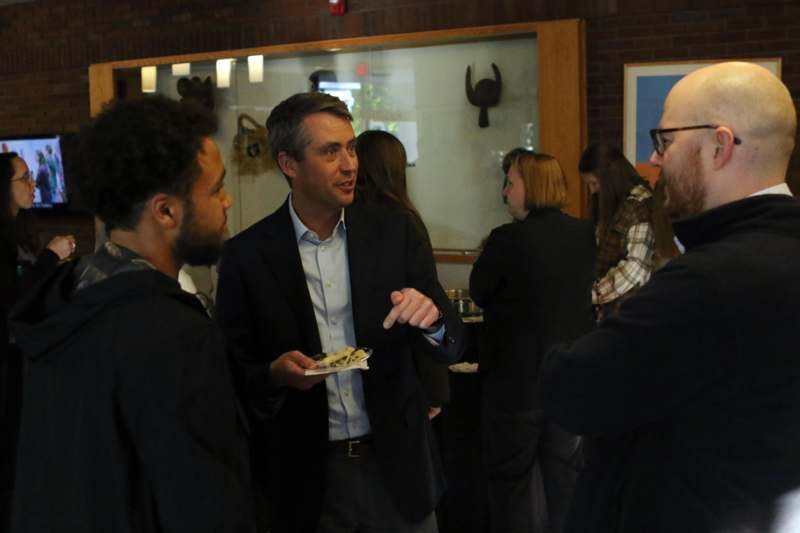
(201, 91)
(486, 94)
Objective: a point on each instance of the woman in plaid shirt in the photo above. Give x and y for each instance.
(623, 211)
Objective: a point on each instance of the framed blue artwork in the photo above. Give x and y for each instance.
(646, 88)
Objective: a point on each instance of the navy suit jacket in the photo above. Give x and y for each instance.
(264, 307)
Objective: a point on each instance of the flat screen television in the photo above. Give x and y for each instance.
(45, 161)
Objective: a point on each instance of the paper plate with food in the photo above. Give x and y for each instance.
(348, 358)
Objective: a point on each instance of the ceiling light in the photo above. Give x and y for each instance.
(149, 79)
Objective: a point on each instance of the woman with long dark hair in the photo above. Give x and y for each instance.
(382, 172)
(625, 215)
(22, 261)
(21, 265)
(382, 181)
(533, 280)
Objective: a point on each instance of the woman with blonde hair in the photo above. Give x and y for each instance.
(533, 281)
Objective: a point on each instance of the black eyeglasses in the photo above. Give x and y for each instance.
(27, 177)
(660, 144)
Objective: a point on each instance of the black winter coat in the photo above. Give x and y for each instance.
(694, 387)
(533, 281)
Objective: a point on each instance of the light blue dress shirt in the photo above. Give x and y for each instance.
(327, 274)
(328, 278)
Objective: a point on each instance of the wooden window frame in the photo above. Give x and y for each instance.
(562, 86)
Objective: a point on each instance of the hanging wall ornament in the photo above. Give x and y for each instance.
(486, 94)
(251, 153)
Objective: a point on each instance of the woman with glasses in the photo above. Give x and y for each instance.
(533, 280)
(624, 214)
(21, 265)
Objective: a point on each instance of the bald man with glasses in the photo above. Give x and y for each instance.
(690, 397)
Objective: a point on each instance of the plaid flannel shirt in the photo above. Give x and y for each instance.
(625, 250)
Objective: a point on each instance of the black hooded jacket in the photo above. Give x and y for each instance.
(130, 422)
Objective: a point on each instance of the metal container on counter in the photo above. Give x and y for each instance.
(463, 303)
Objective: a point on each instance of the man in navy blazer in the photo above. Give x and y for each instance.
(357, 451)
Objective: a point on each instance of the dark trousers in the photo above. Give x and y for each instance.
(357, 500)
(516, 494)
(531, 468)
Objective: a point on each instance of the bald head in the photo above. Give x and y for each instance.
(748, 99)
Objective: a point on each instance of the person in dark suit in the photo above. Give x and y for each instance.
(357, 452)
(533, 281)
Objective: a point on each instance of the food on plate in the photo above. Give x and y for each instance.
(344, 357)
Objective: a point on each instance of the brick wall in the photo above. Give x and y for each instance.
(48, 44)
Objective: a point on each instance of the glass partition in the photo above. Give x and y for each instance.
(418, 93)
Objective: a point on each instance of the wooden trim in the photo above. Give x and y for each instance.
(460, 257)
(395, 40)
(585, 210)
(101, 86)
(562, 103)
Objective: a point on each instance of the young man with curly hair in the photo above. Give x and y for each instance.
(130, 421)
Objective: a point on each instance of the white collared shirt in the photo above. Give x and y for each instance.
(327, 273)
(781, 188)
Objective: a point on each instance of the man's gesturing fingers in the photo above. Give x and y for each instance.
(412, 307)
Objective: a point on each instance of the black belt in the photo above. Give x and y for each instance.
(352, 448)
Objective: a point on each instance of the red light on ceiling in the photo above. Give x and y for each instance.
(337, 8)
(362, 69)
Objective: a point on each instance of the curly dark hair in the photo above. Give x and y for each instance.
(136, 148)
(284, 123)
